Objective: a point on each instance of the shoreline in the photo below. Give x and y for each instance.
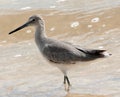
(53, 29)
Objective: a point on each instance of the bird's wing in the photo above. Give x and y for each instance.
(61, 53)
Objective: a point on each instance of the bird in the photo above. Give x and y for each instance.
(60, 53)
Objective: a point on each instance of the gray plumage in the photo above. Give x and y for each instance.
(61, 52)
(57, 51)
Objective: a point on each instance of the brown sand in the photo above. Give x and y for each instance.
(84, 95)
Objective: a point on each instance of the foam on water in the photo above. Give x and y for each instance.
(18, 55)
(61, 1)
(100, 47)
(95, 20)
(25, 8)
(74, 24)
(103, 25)
(52, 29)
(4, 41)
(90, 26)
(28, 31)
(53, 6)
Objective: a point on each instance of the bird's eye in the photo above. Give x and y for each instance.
(33, 19)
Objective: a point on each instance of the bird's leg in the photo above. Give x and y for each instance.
(68, 81)
(65, 82)
(67, 86)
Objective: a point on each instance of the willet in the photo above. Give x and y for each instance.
(61, 53)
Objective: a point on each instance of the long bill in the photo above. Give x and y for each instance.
(21, 27)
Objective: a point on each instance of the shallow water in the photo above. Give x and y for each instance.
(25, 73)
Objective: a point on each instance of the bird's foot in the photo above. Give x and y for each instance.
(67, 87)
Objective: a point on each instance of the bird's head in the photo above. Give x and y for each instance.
(32, 21)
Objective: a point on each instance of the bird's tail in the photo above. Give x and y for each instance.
(98, 53)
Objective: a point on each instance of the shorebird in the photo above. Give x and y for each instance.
(61, 53)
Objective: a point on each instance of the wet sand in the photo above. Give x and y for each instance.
(55, 24)
(84, 95)
(25, 73)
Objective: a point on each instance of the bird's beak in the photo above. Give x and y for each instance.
(21, 27)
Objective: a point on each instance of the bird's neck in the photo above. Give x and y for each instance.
(40, 35)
